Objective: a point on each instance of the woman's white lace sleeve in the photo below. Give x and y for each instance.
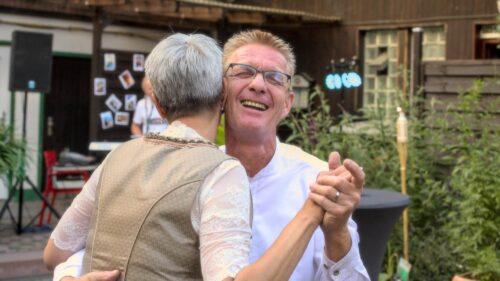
(225, 222)
(71, 232)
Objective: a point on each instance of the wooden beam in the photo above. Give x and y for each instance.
(98, 2)
(158, 21)
(47, 6)
(200, 13)
(149, 7)
(98, 26)
(256, 18)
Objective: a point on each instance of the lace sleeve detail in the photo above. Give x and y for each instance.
(225, 224)
(71, 232)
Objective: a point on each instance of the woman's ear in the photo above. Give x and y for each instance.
(161, 110)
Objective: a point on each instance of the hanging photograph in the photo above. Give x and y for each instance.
(114, 103)
(100, 86)
(109, 62)
(138, 62)
(126, 79)
(106, 120)
(122, 118)
(130, 102)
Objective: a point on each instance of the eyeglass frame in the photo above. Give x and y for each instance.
(263, 72)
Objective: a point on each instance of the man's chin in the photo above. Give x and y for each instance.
(252, 129)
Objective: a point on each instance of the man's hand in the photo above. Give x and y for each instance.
(338, 192)
(96, 276)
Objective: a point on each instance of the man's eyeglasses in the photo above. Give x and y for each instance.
(244, 71)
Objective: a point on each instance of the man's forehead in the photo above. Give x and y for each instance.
(260, 56)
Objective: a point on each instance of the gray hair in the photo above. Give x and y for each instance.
(185, 72)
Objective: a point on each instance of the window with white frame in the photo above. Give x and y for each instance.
(433, 44)
(380, 68)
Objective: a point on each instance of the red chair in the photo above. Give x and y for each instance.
(51, 188)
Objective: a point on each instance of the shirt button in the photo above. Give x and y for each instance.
(336, 273)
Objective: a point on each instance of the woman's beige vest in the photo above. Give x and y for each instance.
(141, 224)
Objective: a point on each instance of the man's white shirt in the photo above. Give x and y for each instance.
(278, 192)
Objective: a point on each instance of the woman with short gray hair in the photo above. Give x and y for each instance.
(171, 206)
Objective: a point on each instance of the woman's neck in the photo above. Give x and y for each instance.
(205, 124)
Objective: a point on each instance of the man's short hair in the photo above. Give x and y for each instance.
(185, 72)
(256, 36)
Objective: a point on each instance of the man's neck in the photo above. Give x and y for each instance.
(253, 154)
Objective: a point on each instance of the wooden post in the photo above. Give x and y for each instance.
(97, 24)
(402, 145)
(415, 63)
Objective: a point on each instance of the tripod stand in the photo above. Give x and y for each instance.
(18, 187)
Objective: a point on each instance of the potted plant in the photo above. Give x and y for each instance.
(10, 150)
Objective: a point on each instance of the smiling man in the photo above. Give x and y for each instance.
(258, 69)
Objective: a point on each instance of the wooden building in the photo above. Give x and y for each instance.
(381, 34)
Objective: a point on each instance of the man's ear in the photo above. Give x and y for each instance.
(223, 99)
(290, 97)
(158, 106)
(223, 96)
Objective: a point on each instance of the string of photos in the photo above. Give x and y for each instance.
(119, 100)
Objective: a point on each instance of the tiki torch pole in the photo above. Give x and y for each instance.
(402, 140)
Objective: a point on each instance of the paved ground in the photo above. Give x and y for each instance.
(21, 255)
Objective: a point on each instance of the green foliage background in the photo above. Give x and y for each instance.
(452, 177)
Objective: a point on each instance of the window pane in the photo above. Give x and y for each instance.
(433, 45)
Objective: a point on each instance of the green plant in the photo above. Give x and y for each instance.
(451, 177)
(219, 139)
(474, 223)
(10, 150)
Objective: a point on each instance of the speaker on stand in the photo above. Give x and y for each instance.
(30, 71)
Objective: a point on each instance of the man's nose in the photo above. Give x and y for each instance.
(258, 84)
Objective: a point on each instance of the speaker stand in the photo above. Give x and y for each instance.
(18, 187)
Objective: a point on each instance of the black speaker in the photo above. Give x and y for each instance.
(30, 62)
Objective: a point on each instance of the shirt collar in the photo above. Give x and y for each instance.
(180, 130)
(270, 168)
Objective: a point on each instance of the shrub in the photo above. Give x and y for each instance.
(454, 222)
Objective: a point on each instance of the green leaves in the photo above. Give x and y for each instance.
(452, 176)
(10, 150)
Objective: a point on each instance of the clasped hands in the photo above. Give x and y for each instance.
(337, 192)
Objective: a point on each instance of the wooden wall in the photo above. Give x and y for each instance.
(315, 47)
(444, 81)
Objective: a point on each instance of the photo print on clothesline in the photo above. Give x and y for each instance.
(106, 120)
(130, 102)
(114, 103)
(99, 86)
(122, 118)
(138, 62)
(126, 79)
(109, 62)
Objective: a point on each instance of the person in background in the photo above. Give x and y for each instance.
(147, 119)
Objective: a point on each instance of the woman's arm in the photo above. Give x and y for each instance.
(71, 232)
(280, 260)
(225, 230)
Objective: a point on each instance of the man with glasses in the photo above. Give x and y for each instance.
(258, 69)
